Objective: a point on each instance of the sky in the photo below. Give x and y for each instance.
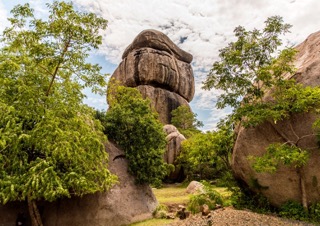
(200, 27)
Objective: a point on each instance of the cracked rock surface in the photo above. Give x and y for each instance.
(160, 70)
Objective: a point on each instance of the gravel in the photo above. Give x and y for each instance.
(231, 217)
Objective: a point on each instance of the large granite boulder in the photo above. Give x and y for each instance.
(174, 139)
(285, 185)
(125, 203)
(160, 70)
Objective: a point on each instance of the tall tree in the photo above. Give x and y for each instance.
(50, 144)
(185, 120)
(250, 68)
(207, 154)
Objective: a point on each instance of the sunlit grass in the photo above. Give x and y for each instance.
(175, 195)
(171, 195)
(153, 222)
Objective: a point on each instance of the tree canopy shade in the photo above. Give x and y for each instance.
(50, 144)
(132, 124)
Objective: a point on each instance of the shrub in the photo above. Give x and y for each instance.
(243, 198)
(209, 197)
(132, 124)
(293, 210)
(161, 211)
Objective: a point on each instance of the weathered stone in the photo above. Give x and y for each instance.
(125, 203)
(182, 213)
(160, 70)
(195, 187)
(173, 148)
(156, 68)
(157, 40)
(204, 210)
(162, 101)
(284, 185)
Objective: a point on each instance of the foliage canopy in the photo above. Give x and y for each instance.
(50, 144)
(257, 83)
(132, 124)
(207, 154)
(185, 121)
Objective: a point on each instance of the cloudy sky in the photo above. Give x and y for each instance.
(205, 26)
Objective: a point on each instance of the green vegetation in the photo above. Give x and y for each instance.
(50, 144)
(248, 69)
(206, 155)
(153, 222)
(186, 121)
(296, 211)
(209, 197)
(244, 198)
(132, 124)
(169, 195)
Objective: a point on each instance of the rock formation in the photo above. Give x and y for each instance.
(173, 148)
(284, 185)
(160, 70)
(125, 203)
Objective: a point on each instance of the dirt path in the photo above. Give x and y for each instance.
(231, 217)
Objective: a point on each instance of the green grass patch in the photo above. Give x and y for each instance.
(172, 194)
(153, 222)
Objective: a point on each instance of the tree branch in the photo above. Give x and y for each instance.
(58, 65)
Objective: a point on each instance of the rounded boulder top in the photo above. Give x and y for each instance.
(157, 40)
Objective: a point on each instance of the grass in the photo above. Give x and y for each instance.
(172, 194)
(153, 222)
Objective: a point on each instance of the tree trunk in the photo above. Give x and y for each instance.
(34, 213)
(304, 198)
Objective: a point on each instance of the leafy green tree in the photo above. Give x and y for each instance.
(247, 67)
(50, 144)
(207, 154)
(132, 124)
(185, 121)
(250, 69)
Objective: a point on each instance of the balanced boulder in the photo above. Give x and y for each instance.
(160, 70)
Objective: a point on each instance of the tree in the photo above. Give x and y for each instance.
(132, 124)
(50, 144)
(249, 71)
(207, 154)
(185, 120)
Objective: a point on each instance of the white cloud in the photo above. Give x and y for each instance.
(207, 24)
(3, 17)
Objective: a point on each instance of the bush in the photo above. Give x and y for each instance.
(132, 124)
(209, 197)
(161, 211)
(205, 156)
(314, 212)
(293, 210)
(243, 198)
